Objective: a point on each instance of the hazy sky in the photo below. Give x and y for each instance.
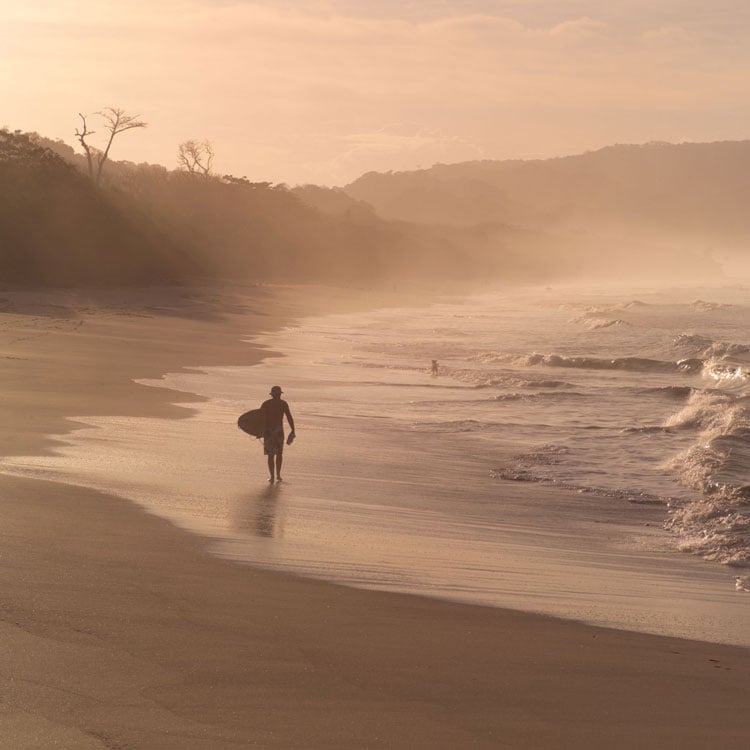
(324, 90)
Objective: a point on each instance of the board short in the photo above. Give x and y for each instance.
(273, 441)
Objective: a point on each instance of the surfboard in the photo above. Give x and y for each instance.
(252, 422)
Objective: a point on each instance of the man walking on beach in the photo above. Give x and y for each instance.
(274, 410)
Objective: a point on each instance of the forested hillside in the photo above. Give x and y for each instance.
(694, 192)
(507, 221)
(57, 228)
(145, 223)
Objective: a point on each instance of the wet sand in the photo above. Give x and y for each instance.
(119, 630)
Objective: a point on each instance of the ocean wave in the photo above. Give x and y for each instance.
(491, 358)
(716, 524)
(508, 379)
(704, 306)
(708, 349)
(545, 395)
(598, 323)
(677, 392)
(548, 384)
(648, 430)
(488, 381)
(691, 342)
(464, 426)
(598, 310)
(546, 455)
(437, 385)
(634, 496)
(705, 409)
(635, 364)
(718, 463)
(458, 425)
(726, 372)
(723, 349)
(716, 527)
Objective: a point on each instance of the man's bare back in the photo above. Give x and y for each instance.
(274, 410)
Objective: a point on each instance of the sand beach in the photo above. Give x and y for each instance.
(120, 630)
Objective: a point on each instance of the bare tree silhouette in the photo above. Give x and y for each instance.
(116, 121)
(90, 151)
(196, 157)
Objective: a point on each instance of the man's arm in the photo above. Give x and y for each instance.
(288, 415)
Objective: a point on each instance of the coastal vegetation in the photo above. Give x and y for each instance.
(64, 220)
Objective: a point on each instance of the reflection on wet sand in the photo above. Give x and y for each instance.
(265, 511)
(258, 515)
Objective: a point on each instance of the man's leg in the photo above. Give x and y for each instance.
(279, 458)
(270, 466)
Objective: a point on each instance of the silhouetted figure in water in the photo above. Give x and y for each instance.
(274, 410)
(435, 369)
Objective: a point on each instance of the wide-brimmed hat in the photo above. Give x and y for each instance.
(276, 389)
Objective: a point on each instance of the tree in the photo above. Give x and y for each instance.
(196, 157)
(116, 121)
(230, 179)
(90, 151)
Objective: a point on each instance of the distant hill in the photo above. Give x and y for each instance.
(148, 224)
(332, 201)
(626, 211)
(657, 192)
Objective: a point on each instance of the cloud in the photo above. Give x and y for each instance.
(400, 146)
(579, 28)
(340, 158)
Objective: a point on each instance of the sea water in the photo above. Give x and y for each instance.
(580, 453)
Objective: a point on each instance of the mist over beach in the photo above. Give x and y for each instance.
(492, 257)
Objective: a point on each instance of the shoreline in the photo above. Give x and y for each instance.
(124, 629)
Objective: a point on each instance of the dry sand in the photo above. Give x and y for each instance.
(120, 631)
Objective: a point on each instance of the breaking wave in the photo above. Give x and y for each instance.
(594, 323)
(508, 379)
(633, 364)
(706, 348)
(715, 524)
(636, 364)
